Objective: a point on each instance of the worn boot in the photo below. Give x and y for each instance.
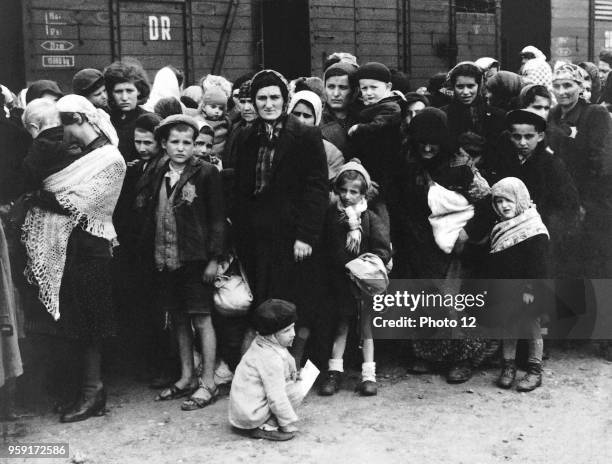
(507, 375)
(368, 387)
(331, 383)
(532, 379)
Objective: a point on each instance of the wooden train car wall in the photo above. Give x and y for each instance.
(229, 36)
(64, 36)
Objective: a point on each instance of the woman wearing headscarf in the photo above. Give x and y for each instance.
(503, 90)
(165, 85)
(308, 108)
(340, 90)
(468, 111)
(68, 242)
(593, 76)
(427, 248)
(489, 66)
(535, 68)
(280, 198)
(581, 135)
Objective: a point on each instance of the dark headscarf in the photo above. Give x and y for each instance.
(269, 78)
(505, 87)
(593, 72)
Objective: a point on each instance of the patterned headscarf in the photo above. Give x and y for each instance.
(569, 71)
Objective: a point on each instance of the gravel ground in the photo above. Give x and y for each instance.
(413, 419)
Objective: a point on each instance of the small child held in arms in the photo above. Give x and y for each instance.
(183, 235)
(375, 140)
(213, 112)
(351, 230)
(518, 254)
(265, 390)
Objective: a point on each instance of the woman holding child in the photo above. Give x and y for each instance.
(68, 238)
(428, 248)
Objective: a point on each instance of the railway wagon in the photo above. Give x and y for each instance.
(55, 38)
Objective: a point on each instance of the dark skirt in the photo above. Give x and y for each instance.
(273, 273)
(86, 302)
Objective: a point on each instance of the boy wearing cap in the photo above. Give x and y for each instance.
(183, 234)
(90, 84)
(375, 140)
(549, 182)
(213, 113)
(263, 396)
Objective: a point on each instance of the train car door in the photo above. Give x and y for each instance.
(524, 22)
(154, 33)
(286, 36)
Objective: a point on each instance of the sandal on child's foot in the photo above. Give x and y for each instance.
(197, 401)
(174, 391)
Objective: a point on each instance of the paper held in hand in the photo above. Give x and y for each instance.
(308, 375)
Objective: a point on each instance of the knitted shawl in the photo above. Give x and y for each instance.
(88, 190)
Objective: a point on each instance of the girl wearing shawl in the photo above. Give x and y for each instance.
(351, 229)
(68, 247)
(519, 254)
(280, 197)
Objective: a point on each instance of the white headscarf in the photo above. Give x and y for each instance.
(310, 97)
(165, 85)
(95, 116)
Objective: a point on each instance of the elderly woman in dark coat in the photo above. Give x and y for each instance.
(581, 135)
(281, 195)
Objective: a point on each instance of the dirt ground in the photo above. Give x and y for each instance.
(414, 419)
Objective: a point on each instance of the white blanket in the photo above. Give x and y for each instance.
(450, 212)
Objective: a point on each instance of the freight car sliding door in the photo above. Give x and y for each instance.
(154, 33)
(286, 36)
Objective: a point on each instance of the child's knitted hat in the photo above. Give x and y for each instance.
(274, 315)
(373, 70)
(214, 96)
(355, 165)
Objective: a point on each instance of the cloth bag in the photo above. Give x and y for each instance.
(233, 295)
(369, 273)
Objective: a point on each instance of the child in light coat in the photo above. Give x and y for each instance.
(265, 391)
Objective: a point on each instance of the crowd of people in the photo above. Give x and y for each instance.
(127, 208)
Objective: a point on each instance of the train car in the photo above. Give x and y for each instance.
(565, 30)
(54, 39)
